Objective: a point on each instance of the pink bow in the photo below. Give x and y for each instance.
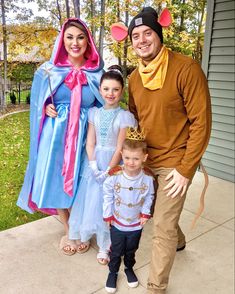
(74, 81)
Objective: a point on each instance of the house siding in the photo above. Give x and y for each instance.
(218, 64)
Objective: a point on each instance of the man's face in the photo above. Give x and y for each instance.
(146, 43)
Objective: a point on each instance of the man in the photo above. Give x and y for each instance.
(168, 94)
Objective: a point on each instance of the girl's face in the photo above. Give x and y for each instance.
(111, 91)
(75, 43)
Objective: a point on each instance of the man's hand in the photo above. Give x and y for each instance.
(177, 185)
(51, 111)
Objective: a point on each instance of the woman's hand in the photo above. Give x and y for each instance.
(50, 110)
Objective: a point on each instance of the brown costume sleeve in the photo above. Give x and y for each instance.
(195, 92)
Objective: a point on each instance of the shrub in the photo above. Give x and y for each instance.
(13, 98)
(28, 98)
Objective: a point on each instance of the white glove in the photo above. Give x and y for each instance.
(102, 176)
(93, 166)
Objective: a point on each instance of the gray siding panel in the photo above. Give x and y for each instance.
(222, 60)
(223, 102)
(219, 166)
(221, 85)
(222, 94)
(223, 126)
(229, 77)
(223, 33)
(224, 6)
(224, 15)
(223, 119)
(218, 158)
(221, 68)
(222, 51)
(223, 24)
(218, 64)
(227, 136)
(227, 111)
(220, 150)
(222, 42)
(222, 1)
(219, 174)
(222, 143)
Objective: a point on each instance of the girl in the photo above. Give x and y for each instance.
(63, 90)
(106, 133)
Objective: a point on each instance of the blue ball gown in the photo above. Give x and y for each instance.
(86, 218)
(43, 188)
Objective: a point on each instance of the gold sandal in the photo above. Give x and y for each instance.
(68, 247)
(82, 247)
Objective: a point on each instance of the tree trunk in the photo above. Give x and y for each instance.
(102, 28)
(126, 42)
(76, 5)
(4, 33)
(67, 8)
(92, 12)
(119, 45)
(19, 89)
(182, 17)
(198, 53)
(59, 12)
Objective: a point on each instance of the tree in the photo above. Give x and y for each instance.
(102, 27)
(20, 14)
(31, 42)
(67, 8)
(185, 35)
(4, 33)
(76, 5)
(21, 73)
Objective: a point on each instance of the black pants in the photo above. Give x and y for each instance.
(123, 244)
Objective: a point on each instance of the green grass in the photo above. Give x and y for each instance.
(14, 148)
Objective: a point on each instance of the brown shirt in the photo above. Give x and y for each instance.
(176, 118)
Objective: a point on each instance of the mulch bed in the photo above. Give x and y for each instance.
(13, 108)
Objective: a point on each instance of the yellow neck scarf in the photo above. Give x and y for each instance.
(153, 75)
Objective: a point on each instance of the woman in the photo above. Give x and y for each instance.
(62, 92)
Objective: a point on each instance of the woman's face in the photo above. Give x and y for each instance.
(75, 43)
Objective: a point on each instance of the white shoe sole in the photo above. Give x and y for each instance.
(133, 285)
(110, 290)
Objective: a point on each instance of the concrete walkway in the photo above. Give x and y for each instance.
(31, 263)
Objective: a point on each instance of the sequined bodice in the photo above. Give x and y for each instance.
(107, 126)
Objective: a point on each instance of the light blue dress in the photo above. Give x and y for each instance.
(86, 218)
(47, 191)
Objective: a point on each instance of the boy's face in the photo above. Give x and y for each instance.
(133, 160)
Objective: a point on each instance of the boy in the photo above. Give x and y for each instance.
(128, 195)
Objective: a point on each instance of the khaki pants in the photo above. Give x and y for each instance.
(167, 235)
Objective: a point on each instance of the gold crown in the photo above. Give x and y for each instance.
(135, 134)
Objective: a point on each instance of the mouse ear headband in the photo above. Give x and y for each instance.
(149, 17)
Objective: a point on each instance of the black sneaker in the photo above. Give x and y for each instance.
(132, 280)
(111, 283)
(180, 248)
